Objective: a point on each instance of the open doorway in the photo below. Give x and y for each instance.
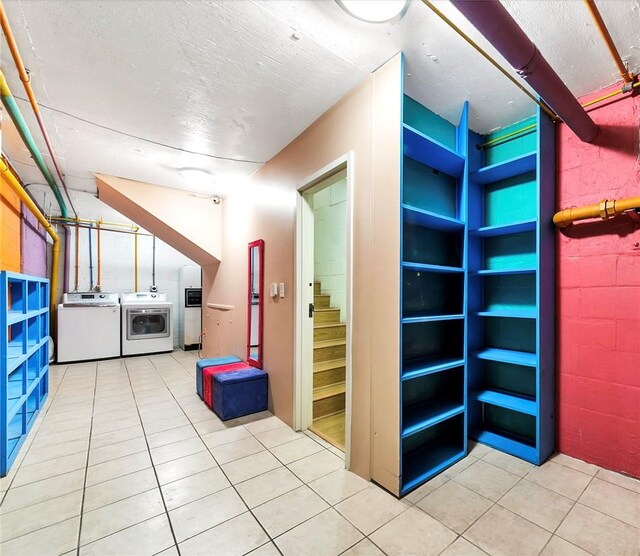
(324, 278)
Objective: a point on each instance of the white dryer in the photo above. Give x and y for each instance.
(88, 326)
(146, 323)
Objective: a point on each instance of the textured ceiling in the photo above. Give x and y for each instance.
(145, 89)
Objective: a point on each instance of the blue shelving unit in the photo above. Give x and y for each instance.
(433, 320)
(511, 291)
(24, 356)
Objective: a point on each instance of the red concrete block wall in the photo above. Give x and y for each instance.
(598, 293)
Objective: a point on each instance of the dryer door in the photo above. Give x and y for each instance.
(146, 324)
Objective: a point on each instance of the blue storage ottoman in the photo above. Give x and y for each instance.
(211, 362)
(239, 393)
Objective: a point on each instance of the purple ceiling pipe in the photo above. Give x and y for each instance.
(500, 29)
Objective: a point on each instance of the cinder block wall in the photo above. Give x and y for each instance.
(598, 293)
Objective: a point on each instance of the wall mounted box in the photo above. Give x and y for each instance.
(24, 359)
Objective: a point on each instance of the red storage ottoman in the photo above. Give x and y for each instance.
(210, 362)
(207, 378)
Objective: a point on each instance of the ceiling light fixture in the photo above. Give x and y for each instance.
(375, 11)
(197, 178)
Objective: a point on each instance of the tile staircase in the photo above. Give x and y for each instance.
(329, 368)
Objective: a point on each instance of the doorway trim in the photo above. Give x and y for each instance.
(303, 397)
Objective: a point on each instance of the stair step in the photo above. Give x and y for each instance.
(329, 349)
(331, 331)
(329, 365)
(322, 301)
(317, 288)
(328, 400)
(329, 391)
(326, 316)
(329, 372)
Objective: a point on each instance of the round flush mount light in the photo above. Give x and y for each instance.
(375, 11)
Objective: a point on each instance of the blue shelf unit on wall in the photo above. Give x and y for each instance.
(511, 290)
(433, 383)
(24, 353)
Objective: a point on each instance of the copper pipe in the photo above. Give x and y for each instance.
(604, 209)
(99, 262)
(606, 37)
(135, 262)
(26, 81)
(77, 238)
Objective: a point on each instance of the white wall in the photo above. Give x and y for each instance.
(117, 256)
(330, 242)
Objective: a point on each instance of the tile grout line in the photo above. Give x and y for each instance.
(86, 469)
(226, 477)
(155, 473)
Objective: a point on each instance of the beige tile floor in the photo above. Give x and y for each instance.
(126, 459)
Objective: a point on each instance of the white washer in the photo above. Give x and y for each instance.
(146, 323)
(88, 326)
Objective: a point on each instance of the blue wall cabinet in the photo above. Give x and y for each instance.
(433, 326)
(511, 304)
(24, 356)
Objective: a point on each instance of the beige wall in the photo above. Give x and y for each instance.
(186, 222)
(267, 212)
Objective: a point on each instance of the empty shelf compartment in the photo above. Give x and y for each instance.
(431, 451)
(430, 399)
(523, 450)
(510, 251)
(33, 296)
(426, 188)
(514, 425)
(15, 433)
(431, 246)
(426, 293)
(428, 344)
(518, 380)
(504, 293)
(512, 334)
(510, 200)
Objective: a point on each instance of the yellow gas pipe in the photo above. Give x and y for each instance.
(14, 184)
(135, 262)
(604, 209)
(99, 262)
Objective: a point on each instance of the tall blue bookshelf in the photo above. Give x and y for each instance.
(511, 334)
(24, 355)
(433, 326)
